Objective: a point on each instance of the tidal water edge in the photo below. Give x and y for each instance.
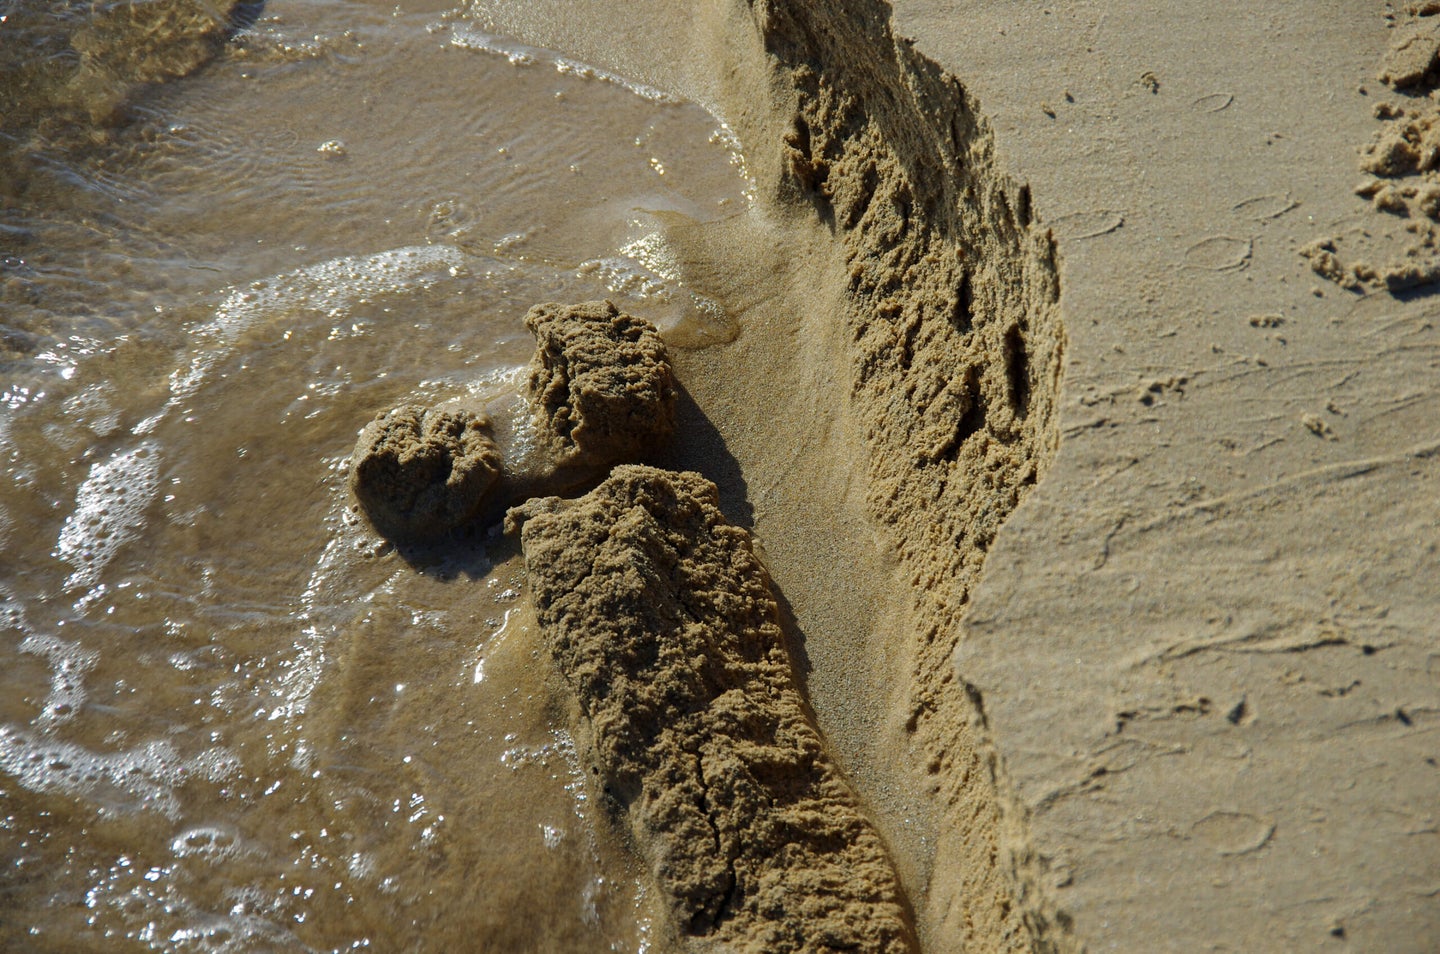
(231, 717)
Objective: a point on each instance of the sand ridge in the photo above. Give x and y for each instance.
(659, 617)
(954, 352)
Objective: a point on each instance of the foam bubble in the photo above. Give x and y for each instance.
(586, 71)
(212, 843)
(647, 271)
(148, 907)
(146, 775)
(468, 37)
(12, 611)
(69, 664)
(109, 511)
(334, 286)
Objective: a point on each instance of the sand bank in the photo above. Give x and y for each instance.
(1187, 705)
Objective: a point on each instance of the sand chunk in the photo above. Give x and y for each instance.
(1412, 58)
(1406, 147)
(600, 388)
(601, 382)
(419, 473)
(660, 618)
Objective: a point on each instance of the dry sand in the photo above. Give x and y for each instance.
(1207, 644)
(1190, 703)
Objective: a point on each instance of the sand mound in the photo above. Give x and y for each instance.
(420, 473)
(660, 617)
(600, 388)
(600, 382)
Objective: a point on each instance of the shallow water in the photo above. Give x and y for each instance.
(231, 718)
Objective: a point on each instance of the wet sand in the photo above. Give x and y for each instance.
(231, 716)
(1099, 523)
(1199, 671)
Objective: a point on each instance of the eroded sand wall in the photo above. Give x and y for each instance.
(889, 402)
(955, 358)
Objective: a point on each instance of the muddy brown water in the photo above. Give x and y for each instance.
(231, 718)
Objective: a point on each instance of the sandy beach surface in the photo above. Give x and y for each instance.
(1205, 643)
(1060, 573)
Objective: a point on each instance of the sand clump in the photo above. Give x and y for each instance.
(421, 472)
(600, 391)
(1402, 166)
(1415, 54)
(600, 382)
(660, 618)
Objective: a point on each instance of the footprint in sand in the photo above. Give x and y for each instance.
(1233, 833)
(1089, 224)
(1219, 253)
(1214, 102)
(1265, 207)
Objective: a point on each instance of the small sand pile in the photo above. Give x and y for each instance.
(660, 618)
(601, 389)
(418, 473)
(601, 383)
(1402, 165)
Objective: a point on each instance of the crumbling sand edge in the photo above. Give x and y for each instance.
(945, 325)
(955, 348)
(660, 618)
